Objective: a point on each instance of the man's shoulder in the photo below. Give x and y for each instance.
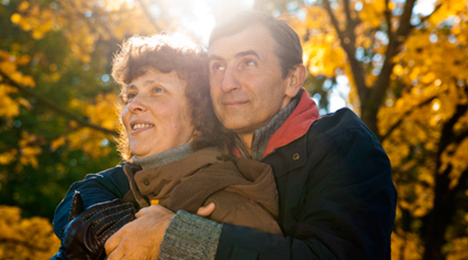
(337, 123)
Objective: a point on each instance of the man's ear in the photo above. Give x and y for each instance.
(296, 78)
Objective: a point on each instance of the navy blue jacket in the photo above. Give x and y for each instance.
(336, 194)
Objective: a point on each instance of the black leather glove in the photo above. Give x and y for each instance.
(85, 235)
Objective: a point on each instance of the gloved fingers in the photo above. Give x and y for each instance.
(77, 205)
(116, 227)
(99, 207)
(113, 210)
(108, 221)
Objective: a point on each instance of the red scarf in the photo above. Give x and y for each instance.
(296, 126)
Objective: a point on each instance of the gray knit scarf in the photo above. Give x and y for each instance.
(164, 158)
(263, 134)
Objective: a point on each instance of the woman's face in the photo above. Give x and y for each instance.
(156, 116)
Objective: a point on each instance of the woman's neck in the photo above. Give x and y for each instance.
(164, 158)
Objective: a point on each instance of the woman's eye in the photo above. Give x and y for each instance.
(129, 97)
(158, 90)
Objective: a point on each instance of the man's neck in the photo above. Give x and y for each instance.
(246, 140)
(252, 145)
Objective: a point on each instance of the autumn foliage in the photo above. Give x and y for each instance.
(406, 68)
(25, 238)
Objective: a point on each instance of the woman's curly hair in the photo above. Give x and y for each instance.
(169, 52)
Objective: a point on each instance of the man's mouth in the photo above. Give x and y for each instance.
(234, 103)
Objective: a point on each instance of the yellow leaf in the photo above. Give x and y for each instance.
(15, 18)
(37, 34)
(23, 60)
(57, 143)
(398, 70)
(7, 67)
(8, 157)
(23, 6)
(8, 107)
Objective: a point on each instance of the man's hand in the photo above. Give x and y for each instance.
(206, 210)
(141, 238)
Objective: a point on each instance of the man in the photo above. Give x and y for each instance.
(336, 195)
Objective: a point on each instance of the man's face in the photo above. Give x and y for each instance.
(245, 79)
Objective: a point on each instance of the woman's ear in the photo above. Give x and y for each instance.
(296, 78)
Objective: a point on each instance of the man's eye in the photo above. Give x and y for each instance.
(249, 62)
(218, 67)
(158, 90)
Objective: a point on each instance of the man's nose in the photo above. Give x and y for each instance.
(230, 80)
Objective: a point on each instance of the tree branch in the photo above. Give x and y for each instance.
(91, 26)
(461, 185)
(149, 16)
(80, 120)
(388, 18)
(348, 46)
(403, 117)
(425, 18)
(405, 26)
(383, 80)
(447, 135)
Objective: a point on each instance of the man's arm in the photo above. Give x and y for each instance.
(343, 209)
(95, 188)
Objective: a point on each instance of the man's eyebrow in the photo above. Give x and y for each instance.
(214, 57)
(238, 55)
(247, 53)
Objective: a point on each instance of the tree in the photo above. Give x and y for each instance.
(25, 238)
(408, 82)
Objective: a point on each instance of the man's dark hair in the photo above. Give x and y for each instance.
(288, 49)
(169, 52)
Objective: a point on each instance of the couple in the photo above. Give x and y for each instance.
(269, 180)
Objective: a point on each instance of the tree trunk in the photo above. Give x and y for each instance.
(444, 197)
(369, 112)
(439, 218)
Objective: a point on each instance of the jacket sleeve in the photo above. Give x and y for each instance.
(339, 205)
(100, 187)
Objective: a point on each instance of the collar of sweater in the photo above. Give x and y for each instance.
(291, 123)
(264, 133)
(160, 159)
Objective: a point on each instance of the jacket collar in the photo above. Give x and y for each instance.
(295, 126)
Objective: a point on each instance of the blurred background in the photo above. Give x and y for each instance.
(401, 65)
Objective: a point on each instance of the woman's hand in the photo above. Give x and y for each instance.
(84, 236)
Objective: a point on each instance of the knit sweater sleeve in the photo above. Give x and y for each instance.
(190, 237)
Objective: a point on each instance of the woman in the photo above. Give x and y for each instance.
(172, 143)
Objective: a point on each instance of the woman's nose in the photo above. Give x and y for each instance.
(138, 104)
